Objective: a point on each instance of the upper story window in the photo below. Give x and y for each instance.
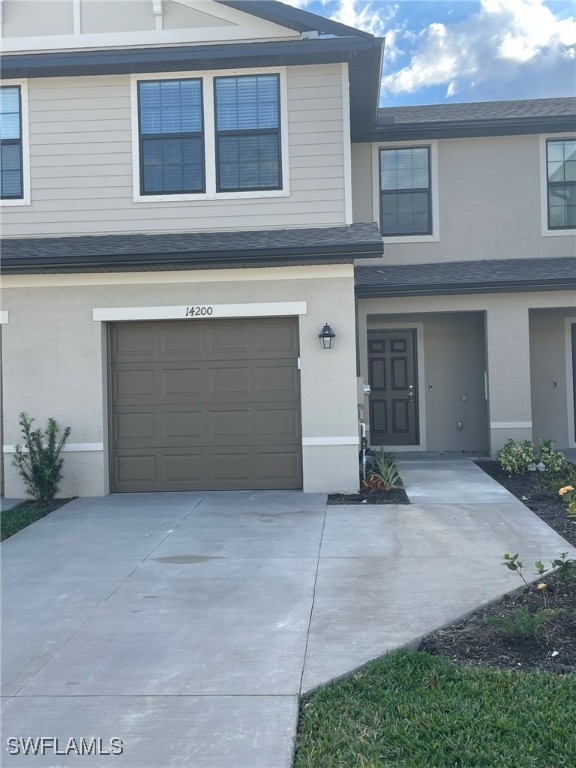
(11, 155)
(405, 199)
(248, 132)
(171, 136)
(561, 183)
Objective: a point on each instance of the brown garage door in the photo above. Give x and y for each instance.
(205, 405)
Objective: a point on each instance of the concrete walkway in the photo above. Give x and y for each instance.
(187, 624)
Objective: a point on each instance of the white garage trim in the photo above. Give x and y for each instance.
(200, 311)
(68, 448)
(3, 317)
(354, 440)
(510, 425)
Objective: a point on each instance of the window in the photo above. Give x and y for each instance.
(561, 183)
(247, 114)
(405, 200)
(11, 158)
(171, 136)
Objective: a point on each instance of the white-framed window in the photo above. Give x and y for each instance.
(558, 184)
(210, 135)
(14, 143)
(406, 191)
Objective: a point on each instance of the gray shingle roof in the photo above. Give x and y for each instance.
(190, 250)
(466, 277)
(479, 110)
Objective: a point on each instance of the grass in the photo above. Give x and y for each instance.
(414, 710)
(13, 520)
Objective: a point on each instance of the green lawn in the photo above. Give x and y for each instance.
(414, 710)
(13, 520)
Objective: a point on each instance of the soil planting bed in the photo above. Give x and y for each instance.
(474, 641)
(396, 496)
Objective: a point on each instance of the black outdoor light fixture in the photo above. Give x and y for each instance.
(326, 337)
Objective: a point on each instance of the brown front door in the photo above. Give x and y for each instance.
(199, 405)
(394, 387)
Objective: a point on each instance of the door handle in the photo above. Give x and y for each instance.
(410, 394)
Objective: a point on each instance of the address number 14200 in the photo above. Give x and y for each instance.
(205, 311)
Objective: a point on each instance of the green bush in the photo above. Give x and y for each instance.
(383, 472)
(516, 456)
(39, 462)
(521, 625)
(555, 463)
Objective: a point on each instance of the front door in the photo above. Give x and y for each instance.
(394, 387)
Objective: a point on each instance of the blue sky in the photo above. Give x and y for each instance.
(466, 50)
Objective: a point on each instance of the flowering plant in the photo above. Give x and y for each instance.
(569, 495)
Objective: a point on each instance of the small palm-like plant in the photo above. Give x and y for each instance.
(383, 473)
(38, 461)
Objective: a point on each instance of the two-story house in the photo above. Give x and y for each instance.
(471, 312)
(188, 188)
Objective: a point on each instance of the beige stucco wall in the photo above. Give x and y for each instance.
(488, 202)
(451, 379)
(57, 358)
(514, 409)
(551, 375)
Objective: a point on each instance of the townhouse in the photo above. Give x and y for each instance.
(214, 245)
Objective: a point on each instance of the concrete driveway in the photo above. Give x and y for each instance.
(186, 624)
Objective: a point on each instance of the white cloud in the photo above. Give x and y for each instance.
(505, 41)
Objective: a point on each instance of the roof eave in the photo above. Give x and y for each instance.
(474, 128)
(512, 286)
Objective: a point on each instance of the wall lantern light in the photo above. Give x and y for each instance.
(326, 337)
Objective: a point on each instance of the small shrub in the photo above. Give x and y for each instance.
(383, 473)
(516, 456)
(565, 569)
(521, 625)
(555, 463)
(39, 462)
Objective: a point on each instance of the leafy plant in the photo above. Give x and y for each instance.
(568, 493)
(521, 625)
(564, 568)
(383, 473)
(38, 461)
(516, 456)
(555, 463)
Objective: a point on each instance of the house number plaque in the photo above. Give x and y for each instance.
(203, 311)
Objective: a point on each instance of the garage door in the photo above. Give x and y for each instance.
(205, 405)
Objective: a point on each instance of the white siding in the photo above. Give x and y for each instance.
(81, 164)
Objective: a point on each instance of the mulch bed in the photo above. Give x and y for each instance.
(365, 496)
(49, 506)
(474, 641)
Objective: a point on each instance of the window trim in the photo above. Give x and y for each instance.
(544, 139)
(25, 144)
(254, 132)
(432, 147)
(211, 192)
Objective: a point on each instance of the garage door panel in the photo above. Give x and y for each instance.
(128, 384)
(274, 339)
(280, 466)
(130, 341)
(276, 382)
(139, 468)
(178, 339)
(205, 405)
(179, 384)
(282, 424)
